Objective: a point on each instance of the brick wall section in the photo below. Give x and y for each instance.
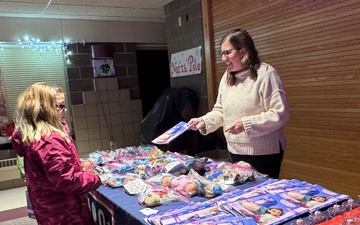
(81, 75)
(188, 35)
(104, 108)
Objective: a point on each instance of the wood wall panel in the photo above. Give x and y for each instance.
(315, 46)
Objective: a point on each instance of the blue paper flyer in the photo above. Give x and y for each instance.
(172, 133)
(266, 209)
(202, 211)
(313, 197)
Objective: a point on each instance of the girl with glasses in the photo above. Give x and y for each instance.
(56, 183)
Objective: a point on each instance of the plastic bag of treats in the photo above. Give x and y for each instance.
(154, 196)
(185, 185)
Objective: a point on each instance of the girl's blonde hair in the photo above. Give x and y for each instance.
(36, 113)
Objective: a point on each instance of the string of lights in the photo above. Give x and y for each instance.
(36, 45)
(45, 47)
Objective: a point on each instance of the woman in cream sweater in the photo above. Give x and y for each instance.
(251, 106)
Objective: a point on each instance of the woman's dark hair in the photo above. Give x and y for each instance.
(240, 38)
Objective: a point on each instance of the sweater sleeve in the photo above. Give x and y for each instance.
(276, 107)
(64, 171)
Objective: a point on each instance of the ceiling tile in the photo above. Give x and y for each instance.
(118, 10)
(19, 7)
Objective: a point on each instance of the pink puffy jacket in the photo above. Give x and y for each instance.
(56, 183)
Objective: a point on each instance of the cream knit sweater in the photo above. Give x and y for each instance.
(263, 107)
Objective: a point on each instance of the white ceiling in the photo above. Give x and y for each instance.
(116, 10)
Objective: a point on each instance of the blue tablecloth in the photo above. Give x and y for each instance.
(126, 207)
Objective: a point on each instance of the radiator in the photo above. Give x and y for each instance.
(9, 170)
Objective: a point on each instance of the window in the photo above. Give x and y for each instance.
(20, 67)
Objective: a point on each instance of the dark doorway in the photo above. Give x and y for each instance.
(154, 76)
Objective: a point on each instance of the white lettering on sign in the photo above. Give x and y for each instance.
(102, 211)
(185, 63)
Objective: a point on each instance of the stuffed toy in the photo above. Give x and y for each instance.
(87, 166)
(207, 188)
(166, 181)
(114, 181)
(214, 175)
(160, 180)
(212, 190)
(184, 185)
(191, 189)
(213, 165)
(230, 177)
(154, 196)
(118, 167)
(153, 168)
(140, 169)
(152, 199)
(244, 164)
(196, 164)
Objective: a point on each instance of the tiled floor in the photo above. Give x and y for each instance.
(12, 198)
(13, 207)
(20, 221)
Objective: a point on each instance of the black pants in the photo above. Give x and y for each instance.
(267, 164)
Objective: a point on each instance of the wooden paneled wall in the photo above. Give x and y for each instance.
(315, 46)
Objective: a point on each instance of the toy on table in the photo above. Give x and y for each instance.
(255, 174)
(114, 180)
(154, 196)
(118, 167)
(156, 155)
(244, 164)
(166, 180)
(175, 167)
(213, 165)
(94, 159)
(208, 188)
(185, 185)
(238, 173)
(130, 177)
(147, 150)
(197, 164)
(140, 169)
(211, 190)
(214, 175)
(153, 168)
(87, 166)
(163, 180)
(230, 174)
